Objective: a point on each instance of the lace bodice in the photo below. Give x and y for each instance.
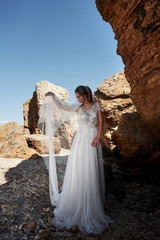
(88, 118)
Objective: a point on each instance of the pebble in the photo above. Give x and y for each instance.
(47, 210)
(37, 237)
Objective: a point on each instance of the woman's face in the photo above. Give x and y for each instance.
(79, 97)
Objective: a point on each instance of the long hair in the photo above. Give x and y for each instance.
(85, 91)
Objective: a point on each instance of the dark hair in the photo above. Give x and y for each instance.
(85, 91)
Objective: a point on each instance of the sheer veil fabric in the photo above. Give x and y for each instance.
(52, 114)
(81, 200)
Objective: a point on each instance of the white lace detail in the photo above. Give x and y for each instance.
(88, 118)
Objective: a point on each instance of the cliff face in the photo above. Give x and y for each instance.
(123, 128)
(136, 25)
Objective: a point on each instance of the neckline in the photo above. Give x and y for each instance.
(90, 110)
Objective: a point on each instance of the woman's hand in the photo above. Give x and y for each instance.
(95, 141)
(49, 94)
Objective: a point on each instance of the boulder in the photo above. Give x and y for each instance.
(123, 128)
(114, 87)
(114, 96)
(136, 27)
(30, 110)
(16, 146)
(8, 128)
(66, 132)
(31, 106)
(136, 142)
(34, 141)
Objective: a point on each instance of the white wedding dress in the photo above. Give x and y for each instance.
(81, 200)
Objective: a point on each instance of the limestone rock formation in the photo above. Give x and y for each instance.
(8, 128)
(34, 142)
(123, 128)
(16, 146)
(65, 134)
(136, 26)
(114, 96)
(31, 106)
(115, 86)
(136, 142)
(30, 110)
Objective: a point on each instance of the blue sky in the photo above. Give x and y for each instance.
(64, 42)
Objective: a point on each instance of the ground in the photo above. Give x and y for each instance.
(132, 202)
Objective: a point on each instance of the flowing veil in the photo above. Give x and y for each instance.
(52, 114)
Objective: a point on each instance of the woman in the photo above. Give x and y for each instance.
(82, 197)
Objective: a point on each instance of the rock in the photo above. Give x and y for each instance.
(136, 27)
(31, 106)
(60, 235)
(136, 142)
(74, 229)
(28, 227)
(44, 235)
(30, 111)
(50, 220)
(26, 117)
(8, 128)
(37, 237)
(114, 96)
(34, 141)
(123, 128)
(16, 146)
(26, 131)
(66, 133)
(115, 86)
(41, 231)
(47, 210)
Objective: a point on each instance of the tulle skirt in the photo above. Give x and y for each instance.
(82, 198)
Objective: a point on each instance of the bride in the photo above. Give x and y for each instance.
(81, 200)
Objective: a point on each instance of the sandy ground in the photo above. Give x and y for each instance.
(8, 163)
(5, 165)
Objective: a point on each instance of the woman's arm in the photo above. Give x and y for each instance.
(100, 122)
(63, 105)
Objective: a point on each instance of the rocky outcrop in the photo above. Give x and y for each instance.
(7, 129)
(123, 128)
(16, 146)
(31, 106)
(66, 132)
(30, 110)
(137, 28)
(136, 142)
(13, 143)
(114, 96)
(34, 141)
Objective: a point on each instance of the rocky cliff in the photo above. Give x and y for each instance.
(123, 128)
(136, 25)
